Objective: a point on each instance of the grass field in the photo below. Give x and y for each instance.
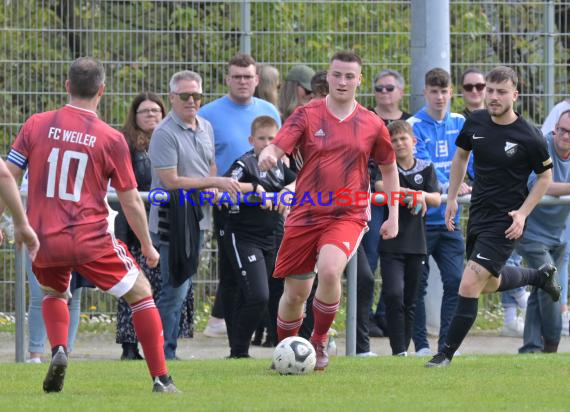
(485, 383)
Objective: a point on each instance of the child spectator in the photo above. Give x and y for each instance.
(250, 241)
(402, 258)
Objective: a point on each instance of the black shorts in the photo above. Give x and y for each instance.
(489, 248)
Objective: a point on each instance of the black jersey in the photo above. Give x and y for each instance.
(504, 156)
(256, 225)
(411, 232)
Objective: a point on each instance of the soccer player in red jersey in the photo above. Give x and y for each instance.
(335, 137)
(71, 155)
(9, 195)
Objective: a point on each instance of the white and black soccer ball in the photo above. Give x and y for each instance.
(294, 356)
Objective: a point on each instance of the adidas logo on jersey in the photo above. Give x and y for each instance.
(320, 133)
(510, 148)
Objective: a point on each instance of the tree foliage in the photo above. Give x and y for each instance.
(142, 43)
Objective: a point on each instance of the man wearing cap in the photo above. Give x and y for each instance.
(296, 91)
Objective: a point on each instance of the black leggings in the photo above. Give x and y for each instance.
(244, 289)
(400, 280)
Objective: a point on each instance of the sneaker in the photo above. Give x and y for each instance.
(424, 352)
(216, 328)
(239, 356)
(322, 356)
(131, 352)
(514, 329)
(164, 384)
(551, 284)
(374, 330)
(565, 324)
(39, 360)
(402, 354)
(367, 355)
(56, 372)
(438, 361)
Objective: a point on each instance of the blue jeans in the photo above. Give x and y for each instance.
(511, 298)
(170, 300)
(563, 273)
(447, 248)
(543, 322)
(36, 327)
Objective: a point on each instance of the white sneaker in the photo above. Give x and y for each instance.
(34, 360)
(565, 324)
(216, 328)
(402, 354)
(367, 355)
(514, 329)
(424, 352)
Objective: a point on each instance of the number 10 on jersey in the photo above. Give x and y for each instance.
(53, 161)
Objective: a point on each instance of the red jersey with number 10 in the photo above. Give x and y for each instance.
(335, 156)
(71, 154)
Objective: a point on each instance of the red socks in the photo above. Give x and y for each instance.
(148, 328)
(56, 319)
(286, 328)
(324, 314)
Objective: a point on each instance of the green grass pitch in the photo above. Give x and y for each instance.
(472, 383)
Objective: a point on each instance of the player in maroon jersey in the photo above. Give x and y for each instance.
(335, 137)
(71, 156)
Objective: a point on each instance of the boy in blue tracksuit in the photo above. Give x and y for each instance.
(436, 129)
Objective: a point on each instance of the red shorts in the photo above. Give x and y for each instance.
(301, 244)
(114, 272)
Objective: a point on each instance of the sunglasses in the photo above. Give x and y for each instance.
(185, 96)
(380, 88)
(469, 87)
(149, 111)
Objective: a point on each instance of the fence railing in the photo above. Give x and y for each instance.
(201, 284)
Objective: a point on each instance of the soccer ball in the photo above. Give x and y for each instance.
(294, 356)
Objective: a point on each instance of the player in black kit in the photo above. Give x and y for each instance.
(249, 239)
(506, 149)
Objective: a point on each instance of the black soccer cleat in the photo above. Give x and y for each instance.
(438, 361)
(164, 384)
(551, 284)
(56, 372)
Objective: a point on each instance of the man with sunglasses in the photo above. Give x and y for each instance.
(231, 117)
(544, 241)
(388, 93)
(182, 156)
(473, 85)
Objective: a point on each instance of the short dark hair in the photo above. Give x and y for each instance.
(241, 60)
(319, 83)
(85, 77)
(469, 71)
(501, 74)
(400, 126)
(347, 56)
(263, 121)
(438, 77)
